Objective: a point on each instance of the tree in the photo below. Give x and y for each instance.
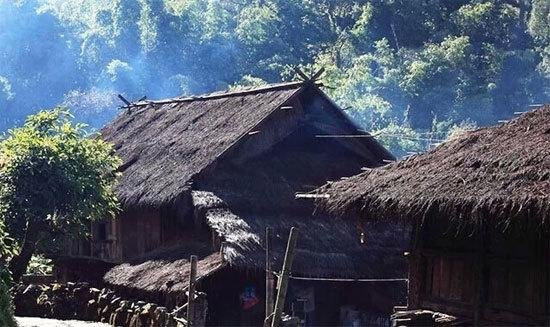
(54, 180)
(6, 307)
(394, 62)
(539, 28)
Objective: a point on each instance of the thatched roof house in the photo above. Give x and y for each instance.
(166, 144)
(485, 195)
(500, 172)
(206, 175)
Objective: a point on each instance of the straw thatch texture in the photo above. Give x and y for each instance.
(500, 174)
(165, 271)
(167, 144)
(326, 247)
(164, 144)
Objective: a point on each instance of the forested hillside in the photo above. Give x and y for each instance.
(411, 71)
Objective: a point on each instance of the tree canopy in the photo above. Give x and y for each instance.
(401, 66)
(54, 180)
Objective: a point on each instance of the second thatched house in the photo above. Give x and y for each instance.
(480, 210)
(206, 175)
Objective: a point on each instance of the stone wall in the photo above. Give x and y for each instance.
(82, 302)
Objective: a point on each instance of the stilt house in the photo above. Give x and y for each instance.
(479, 205)
(206, 175)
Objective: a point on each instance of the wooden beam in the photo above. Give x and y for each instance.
(318, 74)
(253, 132)
(123, 99)
(181, 321)
(546, 259)
(347, 280)
(191, 297)
(282, 285)
(287, 108)
(343, 136)
(180, 309)
(311, 196)
(301, 74)
(479, 296)
(416, 277)
(269, 280)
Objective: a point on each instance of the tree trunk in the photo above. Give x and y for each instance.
(19, 263)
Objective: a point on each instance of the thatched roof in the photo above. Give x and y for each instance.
(164, 144)
(500, 174)
(326, 247)
(166, 270)
(168, 144)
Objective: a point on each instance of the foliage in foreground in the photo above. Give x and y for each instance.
(6, 308)
(6, 251)
(39, 265)
(54, 179)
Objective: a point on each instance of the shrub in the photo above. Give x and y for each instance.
(6, 308)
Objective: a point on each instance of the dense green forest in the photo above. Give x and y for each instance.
(413, 72)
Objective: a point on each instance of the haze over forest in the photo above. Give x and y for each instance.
(414, 72)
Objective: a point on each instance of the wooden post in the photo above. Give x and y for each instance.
(546, 258)
(268, 274)
(191, 297)
(415, 284)
(282, 285)
(480, 274)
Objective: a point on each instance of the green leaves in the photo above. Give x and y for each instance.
(488, 22)
(256, 23)
(360, 29)
(6, 308)
(7, 251)
(437, 63)
(54, 176)
(392, 61)
(40, 265)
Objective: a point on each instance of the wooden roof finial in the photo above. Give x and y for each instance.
(302, 75)
(309, 79)
(318, 74)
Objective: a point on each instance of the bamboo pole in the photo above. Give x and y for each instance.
(282, 285)
(191, 297)
(268, 274)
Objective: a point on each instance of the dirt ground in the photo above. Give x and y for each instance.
(41, 322)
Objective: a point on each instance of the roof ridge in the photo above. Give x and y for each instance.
(221, 94)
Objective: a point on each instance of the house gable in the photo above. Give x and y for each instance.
(164, 144)
(310, 109)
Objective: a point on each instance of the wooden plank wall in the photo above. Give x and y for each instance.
(515, 289)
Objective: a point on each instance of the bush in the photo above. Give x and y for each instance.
(6, 309)
(39, 265)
